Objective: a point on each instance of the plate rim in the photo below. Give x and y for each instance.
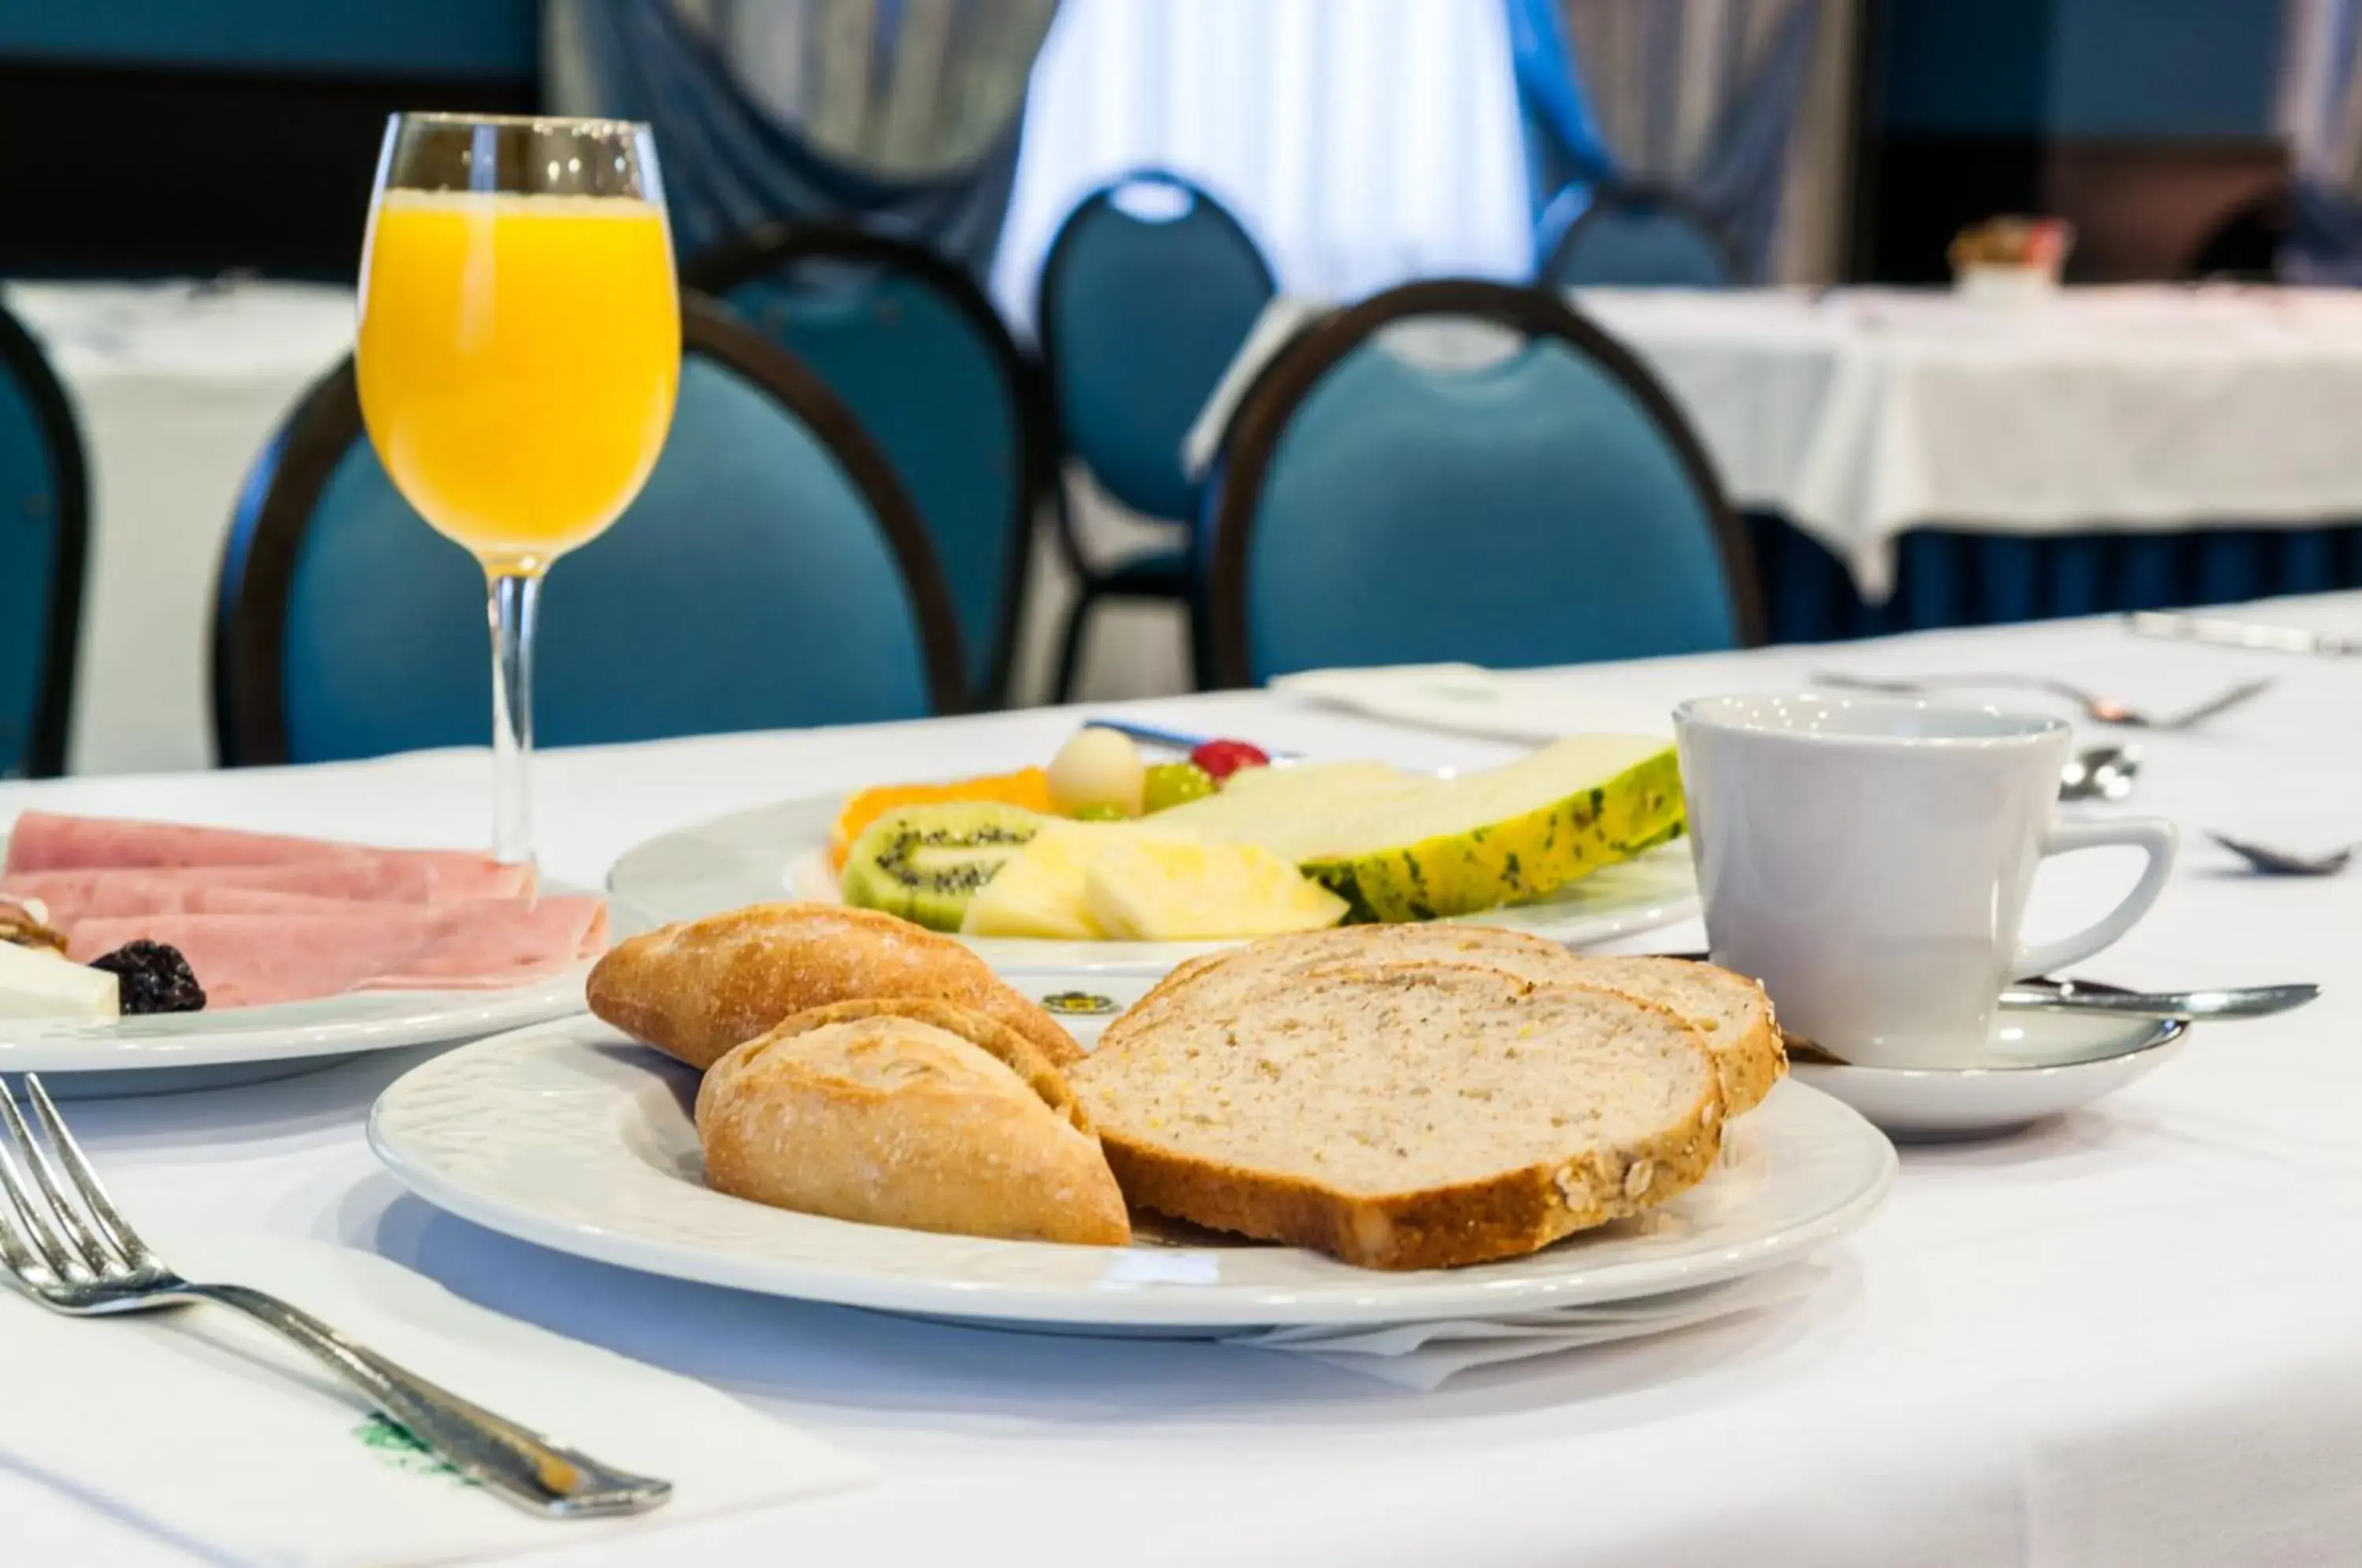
(1386, 1298)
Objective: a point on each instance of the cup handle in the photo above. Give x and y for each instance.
(2153, 834)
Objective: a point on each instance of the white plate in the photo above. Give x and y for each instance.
(167, 1052)
(2041, 1063)
(778, 852)
(570, 1137)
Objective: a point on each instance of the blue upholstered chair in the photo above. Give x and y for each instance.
(1146, 295)
(1630, 236)
(44, 534)
(1549, 507)
(915, 349)
(771, 574)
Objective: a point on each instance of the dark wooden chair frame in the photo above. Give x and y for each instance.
(767, 250)
(1094, 583)
(1606, 194)
(22, 359)
(1272, 404)
(281, 498)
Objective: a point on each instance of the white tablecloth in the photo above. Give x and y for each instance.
(176, 388)
(1862, 413)
(2125, 1339)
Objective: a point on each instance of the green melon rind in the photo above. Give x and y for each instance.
(1525, 858)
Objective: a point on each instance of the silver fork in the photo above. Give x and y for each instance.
(82, 1258)
(2098, 709)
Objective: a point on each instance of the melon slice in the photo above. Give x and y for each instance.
(1038, 891)
(1411, 846)
(1152, 890)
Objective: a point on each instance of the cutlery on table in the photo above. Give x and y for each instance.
(2090, 996)
(2219, 631)
(2274, 862)
(2098, 996)
(2099, 710)
(2099, 773)
(77, 1255)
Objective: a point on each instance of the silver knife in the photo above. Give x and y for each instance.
(2222, 631)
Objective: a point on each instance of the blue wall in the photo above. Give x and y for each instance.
(2081, 68)
(443, 38)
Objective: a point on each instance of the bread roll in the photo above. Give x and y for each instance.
(913, 1113)
(696, 989)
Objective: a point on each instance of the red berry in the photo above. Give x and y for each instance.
(1220, 758)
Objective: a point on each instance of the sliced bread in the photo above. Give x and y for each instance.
(1730, 1009)
(1402, 1115)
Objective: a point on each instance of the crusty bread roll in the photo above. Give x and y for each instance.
(909, 1112)
(698, 988)
(1396, 1112)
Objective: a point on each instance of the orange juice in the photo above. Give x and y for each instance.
(518, 360)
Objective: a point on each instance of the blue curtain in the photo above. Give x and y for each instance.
(731, 160)
(1605, 86)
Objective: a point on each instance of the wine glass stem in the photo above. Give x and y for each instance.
(513, 599)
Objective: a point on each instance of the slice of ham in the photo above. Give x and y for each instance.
(48, 841)
(249, 959)
(389, 879)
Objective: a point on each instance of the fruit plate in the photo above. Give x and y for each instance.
(780, 852)
(569, 1136)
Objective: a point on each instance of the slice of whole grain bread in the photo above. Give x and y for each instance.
(1399, 1113)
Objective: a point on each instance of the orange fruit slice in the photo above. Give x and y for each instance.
(1027, 787)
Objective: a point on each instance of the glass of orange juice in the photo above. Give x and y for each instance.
(519, 353)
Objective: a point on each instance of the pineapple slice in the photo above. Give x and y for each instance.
(1038, 891)
(1179, 890)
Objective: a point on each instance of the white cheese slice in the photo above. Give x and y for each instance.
(37, 983)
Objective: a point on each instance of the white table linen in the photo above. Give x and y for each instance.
(2124, 1339)
(232, 1441)
(1859, 415)
(176, 388)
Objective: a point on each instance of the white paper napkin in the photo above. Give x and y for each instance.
(212, 1432)
(1423, 1356)
(1465, 698)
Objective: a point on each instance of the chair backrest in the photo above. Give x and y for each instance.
(915, 349)
(1549, 507)
(771, 574)
(1146, 295)
(1633, 237)
(44, 537)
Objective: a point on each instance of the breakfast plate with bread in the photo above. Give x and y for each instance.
(1105, 861)
(1367, 1124)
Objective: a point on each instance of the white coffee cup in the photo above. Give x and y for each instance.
(1869, 859)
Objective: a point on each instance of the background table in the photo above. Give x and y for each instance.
(2128, 1338)
(1950, 461)
(177, 387)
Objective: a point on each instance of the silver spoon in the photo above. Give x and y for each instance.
(2274, 862)
(2085, 995)
(2099, 773)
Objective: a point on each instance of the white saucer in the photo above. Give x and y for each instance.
(2038, 1065)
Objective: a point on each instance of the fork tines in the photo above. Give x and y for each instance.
(52, 1237)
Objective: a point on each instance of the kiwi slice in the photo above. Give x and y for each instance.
(925, 863)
